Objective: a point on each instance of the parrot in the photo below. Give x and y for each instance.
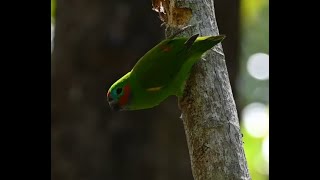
(159, 73)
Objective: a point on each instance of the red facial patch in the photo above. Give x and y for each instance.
(165, 48)
(108, 93)
(126, 93)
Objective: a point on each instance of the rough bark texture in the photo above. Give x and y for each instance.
(208, 109)
(228, 14)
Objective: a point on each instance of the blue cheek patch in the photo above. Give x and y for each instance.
(114, 95)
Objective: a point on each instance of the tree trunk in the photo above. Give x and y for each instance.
(208, 109)
(228, 14)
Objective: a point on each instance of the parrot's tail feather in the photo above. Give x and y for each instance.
(217, 39)
(191, 40)
(202, 44)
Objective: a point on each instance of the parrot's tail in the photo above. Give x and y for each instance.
(202, 44)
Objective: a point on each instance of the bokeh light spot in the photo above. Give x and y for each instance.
(258, 66)
(256, 120)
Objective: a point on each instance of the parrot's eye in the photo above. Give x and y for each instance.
(119, 90)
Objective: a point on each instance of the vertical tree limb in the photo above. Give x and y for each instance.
(208, 109)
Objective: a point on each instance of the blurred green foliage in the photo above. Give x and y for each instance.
(250, 10)
(254, 39)
(53, 10)
(254, 155)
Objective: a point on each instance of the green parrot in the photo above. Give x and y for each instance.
(160, 73)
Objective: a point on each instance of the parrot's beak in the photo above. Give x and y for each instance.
(113, 104)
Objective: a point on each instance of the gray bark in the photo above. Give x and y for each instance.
(208, 109)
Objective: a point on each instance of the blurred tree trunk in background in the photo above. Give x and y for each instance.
(96, 42)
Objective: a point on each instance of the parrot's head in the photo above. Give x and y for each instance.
(119, 94)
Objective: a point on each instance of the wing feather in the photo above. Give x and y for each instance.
(159, 66)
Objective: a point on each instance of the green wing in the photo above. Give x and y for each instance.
(159, 66)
